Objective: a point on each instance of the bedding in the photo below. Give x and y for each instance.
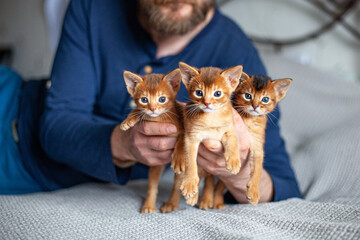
(320, 122)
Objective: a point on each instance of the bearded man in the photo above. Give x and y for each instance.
(77, 136)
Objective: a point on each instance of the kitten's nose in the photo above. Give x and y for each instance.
(207, 103)
(255, 106)
(152, 109)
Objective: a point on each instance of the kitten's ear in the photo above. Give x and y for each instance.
(187, 73)
(232, 75)
(131, 80)
(244, 77)
(281, 86)
(174, 79)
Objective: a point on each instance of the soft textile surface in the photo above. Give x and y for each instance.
(320, 122)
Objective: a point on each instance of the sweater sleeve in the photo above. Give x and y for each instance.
(71, 133)
(276, 160)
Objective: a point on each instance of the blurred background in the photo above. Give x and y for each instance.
(323, 34)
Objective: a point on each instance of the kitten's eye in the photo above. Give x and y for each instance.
(217, 94)
(198, 93)
(162, 99)
(265, 99)
(247, 96)
(144, 100)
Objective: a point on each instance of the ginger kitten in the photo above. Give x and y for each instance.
(155, 98)
(208, 115)
(255, 97)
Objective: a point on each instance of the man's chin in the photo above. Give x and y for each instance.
(177, 11)
(162, 2)
(173, 18)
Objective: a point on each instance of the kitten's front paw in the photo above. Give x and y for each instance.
(252, 194)
(169, 207)
(233, 164)
(192, 200)
(124, 127)
(205, 204)
(148, 209)
(126, 124)
(189, 187)
(219, 206)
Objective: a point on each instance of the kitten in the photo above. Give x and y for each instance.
(255, 97)
(208, 115)
(155, 98)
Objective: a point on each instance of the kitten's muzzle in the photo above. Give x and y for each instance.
(206, 108)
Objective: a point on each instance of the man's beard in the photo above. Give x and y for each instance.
(165, 24)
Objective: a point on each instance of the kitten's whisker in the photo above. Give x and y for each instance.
(242, 113)
(166, 114)
(140, 116)
(240, 107)
(168, 111)
(269, 117)
(143, 118)
(192, 110)
(136, 113)
(273, 115)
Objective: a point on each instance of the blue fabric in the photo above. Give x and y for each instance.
(14, 178)
(70, 143)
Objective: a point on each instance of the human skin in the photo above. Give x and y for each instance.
(148, 143)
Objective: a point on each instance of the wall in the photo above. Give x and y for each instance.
(336, 52)
(22, 25)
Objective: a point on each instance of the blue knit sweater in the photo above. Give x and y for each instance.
(65, 131)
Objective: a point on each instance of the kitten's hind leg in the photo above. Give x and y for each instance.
(207, 198)
(152, 190)
(219, 196)
(173, 202)
(178, 163)
(256, 161)
(231, 154)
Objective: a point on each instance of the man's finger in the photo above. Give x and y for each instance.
(156, 128)
(242, 134)
(162, 143)
(211, 156)
(159, 158)
(209, 167)
(213, 145)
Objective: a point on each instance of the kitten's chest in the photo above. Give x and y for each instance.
(209, 126)
(256, 127)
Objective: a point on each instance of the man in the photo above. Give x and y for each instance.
(79, 132)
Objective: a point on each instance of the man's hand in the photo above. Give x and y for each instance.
(211, 152)
(211, 159)
(147, 142)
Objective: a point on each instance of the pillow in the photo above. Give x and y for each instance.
(320, 124)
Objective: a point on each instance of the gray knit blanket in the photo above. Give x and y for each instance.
(320, 122)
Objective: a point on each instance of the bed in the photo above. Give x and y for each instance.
(320, 122)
